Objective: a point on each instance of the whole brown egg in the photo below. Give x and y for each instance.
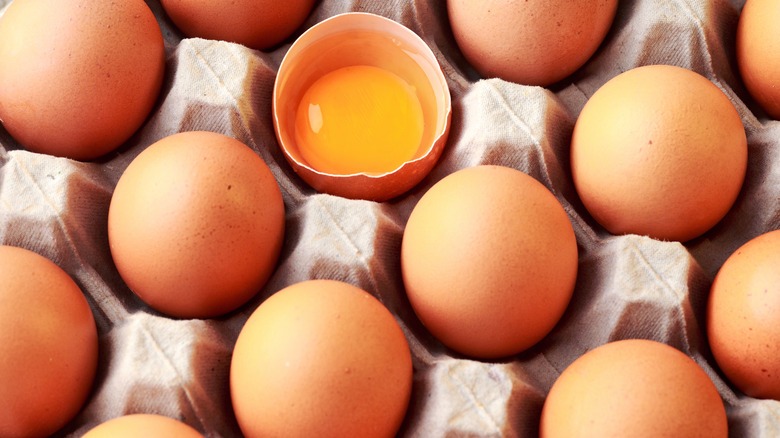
(48, 345)
(78, 78)
(634, 388)
(659, 151)
(142, 425)
(743, 317)
(258, 24)
(530, 42)
(758, 42)
(321, 358)
(489, 261)
(196, 224)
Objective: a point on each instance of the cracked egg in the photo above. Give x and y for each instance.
(361, 107)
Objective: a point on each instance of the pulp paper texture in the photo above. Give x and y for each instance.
(628, 286)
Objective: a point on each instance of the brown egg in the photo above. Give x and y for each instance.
(364, 115)
(532, 43)
(489, 261)
(48, 345)
(659, 151)
(258, 24)
(78, 78)
(758, 42)
(743, 317)
(321, 358)
(196, 224)
(633, 388)
(143, 425)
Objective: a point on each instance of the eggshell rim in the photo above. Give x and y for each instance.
(365, 185)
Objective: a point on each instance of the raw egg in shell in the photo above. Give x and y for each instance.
(361, 107)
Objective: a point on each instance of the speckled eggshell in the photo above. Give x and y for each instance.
(321, 358)
(78, 78)
(530, 42)
(758, 43)
(489, 261)
(143, 425)
(743, 317)
(633, 388)
(48, 345)
(659, 151)
(196, 224)
(258, 24)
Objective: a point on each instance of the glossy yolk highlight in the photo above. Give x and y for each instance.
(359, 119)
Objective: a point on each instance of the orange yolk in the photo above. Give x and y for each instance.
(359, 119)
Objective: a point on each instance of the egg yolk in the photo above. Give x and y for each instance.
(359, 119)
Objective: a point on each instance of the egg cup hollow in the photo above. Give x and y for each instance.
(363, 39)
